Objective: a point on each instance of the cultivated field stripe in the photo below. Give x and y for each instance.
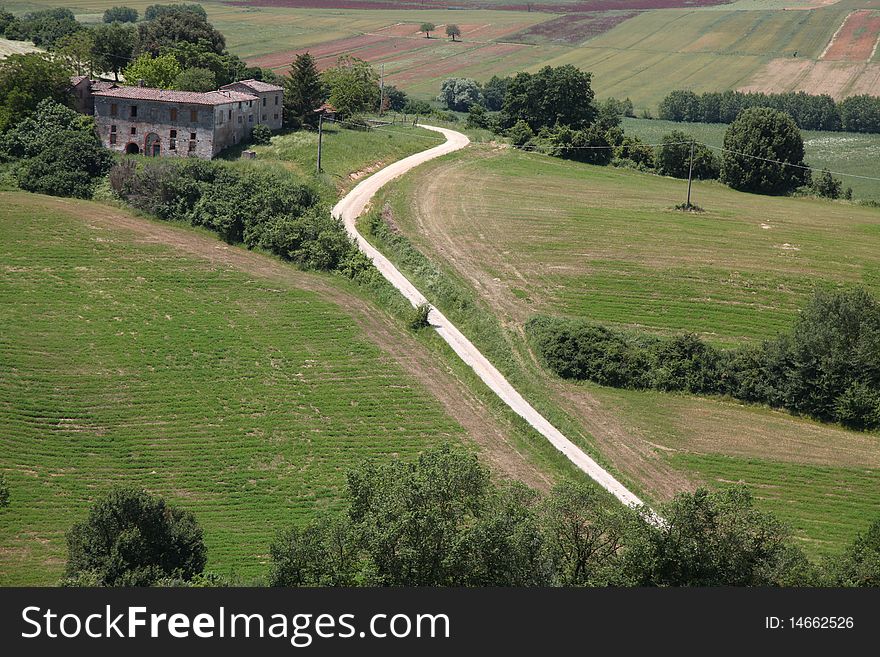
(353, 205)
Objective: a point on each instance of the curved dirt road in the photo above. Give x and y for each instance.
(353, 205)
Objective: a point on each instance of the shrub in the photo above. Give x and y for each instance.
(261, 134)
(673, 158)
(132, 538)
(520, 134)
(459, 94)
(419, 317)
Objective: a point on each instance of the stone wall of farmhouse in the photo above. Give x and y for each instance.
(268, 109)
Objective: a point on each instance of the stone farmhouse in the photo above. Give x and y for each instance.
(159, 122)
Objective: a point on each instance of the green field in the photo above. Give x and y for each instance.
(533, 234)
(237, 394)
(852, 153)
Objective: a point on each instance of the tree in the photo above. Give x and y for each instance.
(860, 113)
(120, 15)
(353, 86)
(477, 117)
(860, 565)
(764, 153)
(225, 66)
(77, 49)
(195, 79)
(453, 31)
(561, 95)
(459, 94)
(160, 72)
(26, 80)
(396, 98)
(427, 28)
(132, 538)
(493, 93)
(680, 106)
(47, 26)
(303, 92)
(4, 492)
(171, 28)
(261, 134)
(826, 185)
(113, 47)
(712, 539)
(156, 11)
(58, 152)
(520, 134)
(673, 157)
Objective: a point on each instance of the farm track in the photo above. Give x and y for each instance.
(426, 368)
(353, 205)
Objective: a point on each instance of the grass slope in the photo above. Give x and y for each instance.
(236, 395)
(533, 234)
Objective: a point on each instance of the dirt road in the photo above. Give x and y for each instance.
(354, 204)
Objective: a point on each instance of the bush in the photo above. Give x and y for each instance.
(131, 538)
(826, 185)
(419, 317)
(520, 134)
(261, 134)
(459, 94)
(673, 158)
(4, 492)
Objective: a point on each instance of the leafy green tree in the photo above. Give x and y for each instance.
(77, 50)
(7, 21)
(323, 553)
(195, 79)
(680, 106)
(58, 152)
(157, 11)
(303, 92)
(453, 31)
(427, 28)
(171, 28)
(552, 96)
(712, 539)
(586, 532)
(860, 113)
(132, 538)
(27, 79)
(353, 86)
(493, 93)
(673, 157)
(395, 98)
(477, 117)
(120, 15)
(633, 149)
(160, 72)
(261, 134)
(764, 153)
(47, 26)
(826, 185)
(226, 67)
(114, 47)
(4, 492)
(860, 565)
(520, 134)
(459, 94)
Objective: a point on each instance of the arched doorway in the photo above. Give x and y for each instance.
(132, 149)
(152, 145)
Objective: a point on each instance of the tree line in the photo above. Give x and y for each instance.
(810, 112)
(826, 367)
(441, 520)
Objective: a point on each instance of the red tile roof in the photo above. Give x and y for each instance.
(165, 95)
(256, 85)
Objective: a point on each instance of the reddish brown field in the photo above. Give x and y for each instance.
(575, 6)
(572, 29)
(426, 65)
(856, 39)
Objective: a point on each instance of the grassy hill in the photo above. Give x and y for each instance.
(528, 234)
(228, 382)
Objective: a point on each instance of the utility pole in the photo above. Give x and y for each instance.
(320, 135)
(690, 175)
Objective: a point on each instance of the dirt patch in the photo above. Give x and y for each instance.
(835, 78)
(488, 431)
(572, 29)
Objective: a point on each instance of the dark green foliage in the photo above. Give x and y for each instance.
(261, 134)
(588, 145)
(44, 27)
(156, 11)
(352, 86)
(132, 538)
(120, 15)
(261, 208)
(860, 113)
(172, 27)
(395, 99)
(764, 153)
(673, 158)
(303, 92)
(419, 318)
(4, 492)
(420, 107)
(477, 117)
(25, 81)
(633, 150)
(828, 368)
(9, 22)
(114, 46)
(860, 565)
(196, 79)
(226, 67)
(552, 96)
(714, 539)
(57, 152)
(460, 94)
(494, 92)
(808, 112)
(520, 133)
(826, 185)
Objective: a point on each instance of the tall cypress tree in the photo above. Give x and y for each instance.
(303, 92)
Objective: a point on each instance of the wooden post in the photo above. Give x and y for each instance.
(690, 174)
(320, 135)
